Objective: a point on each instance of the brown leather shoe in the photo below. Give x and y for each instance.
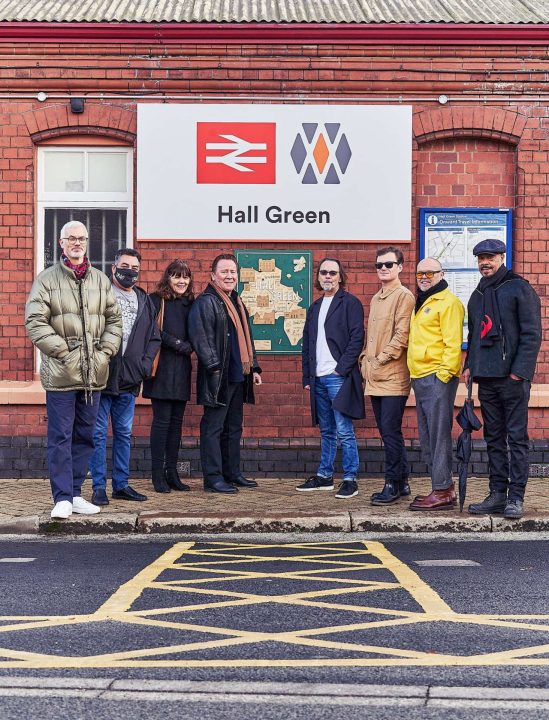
(437, 500)
(452, 488)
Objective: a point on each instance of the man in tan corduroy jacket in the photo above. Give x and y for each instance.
(385, 371)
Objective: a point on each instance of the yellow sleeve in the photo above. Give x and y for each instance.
(451, 328)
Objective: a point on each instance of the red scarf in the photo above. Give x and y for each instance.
(78, 270)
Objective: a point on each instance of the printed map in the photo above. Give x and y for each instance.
(276, 289)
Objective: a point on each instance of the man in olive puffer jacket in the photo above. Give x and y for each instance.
(72, 317)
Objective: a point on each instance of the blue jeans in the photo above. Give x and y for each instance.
(334, 426)
(71, 420)
(121, 410)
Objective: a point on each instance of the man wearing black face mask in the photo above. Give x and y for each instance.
(127, 369)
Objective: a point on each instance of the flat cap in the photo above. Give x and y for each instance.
(491, 246)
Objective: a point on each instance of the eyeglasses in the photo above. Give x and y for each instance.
(331, 273)
(73, 240)
(430, 274)
(388, 265)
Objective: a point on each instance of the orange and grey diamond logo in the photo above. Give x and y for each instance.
(321, 153)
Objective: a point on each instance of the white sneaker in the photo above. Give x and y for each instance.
(62, 510)
(83, 507)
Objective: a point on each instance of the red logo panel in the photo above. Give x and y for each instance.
(234, 153)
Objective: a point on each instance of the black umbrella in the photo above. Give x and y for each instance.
(468, 421)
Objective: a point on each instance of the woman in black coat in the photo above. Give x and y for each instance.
(170, 388)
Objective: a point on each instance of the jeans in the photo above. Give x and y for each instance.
(71, 421)
(220, 433)
(504, 408)
(435, 417)
(388, 412)
(334, 426)
(166, 433)
(121, 409)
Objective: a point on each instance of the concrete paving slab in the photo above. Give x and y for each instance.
(228, 523)
(19, 525)
(273, 507)
(90, 524)
(408, 521)
(528, 523)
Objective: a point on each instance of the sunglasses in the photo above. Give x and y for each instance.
(429, 274)
(388, 265)
(331, 273)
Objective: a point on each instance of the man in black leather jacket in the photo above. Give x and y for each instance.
(504, 319)
(219, 331)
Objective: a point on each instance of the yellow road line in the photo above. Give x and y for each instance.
(287, 574)
(434, 661)
(433, 609)
(191, 584)
(257, 559)
(128, 593)
(424, 595)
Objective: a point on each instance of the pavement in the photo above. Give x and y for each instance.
(273, 507)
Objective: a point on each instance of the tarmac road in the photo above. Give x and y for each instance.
(291, 627)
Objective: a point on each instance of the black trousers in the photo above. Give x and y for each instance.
(220, 433)
(388, 412)
(504, 408)
(166, 432)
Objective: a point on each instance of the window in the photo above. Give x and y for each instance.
(93, 185)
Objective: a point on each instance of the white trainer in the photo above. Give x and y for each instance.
(62, 510)
(83, 507)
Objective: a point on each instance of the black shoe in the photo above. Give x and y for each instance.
(99, 497)
(387, 496)
(128, 493)
(241, 481)
(347, 489)
(172, 478)
(159, 482)
(494, 504)
(220, 486)
(315, 482)
(514, 510)
(404, 487)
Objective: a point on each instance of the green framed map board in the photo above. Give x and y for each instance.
(275, 286)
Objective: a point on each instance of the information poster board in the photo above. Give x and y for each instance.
(275, 286)
(450, 234)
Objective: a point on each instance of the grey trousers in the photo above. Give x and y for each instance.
(435, 416)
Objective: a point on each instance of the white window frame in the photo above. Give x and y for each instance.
(82, 200)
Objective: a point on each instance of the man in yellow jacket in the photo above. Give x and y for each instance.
(434, 361)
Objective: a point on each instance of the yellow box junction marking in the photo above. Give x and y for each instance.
(213, 565)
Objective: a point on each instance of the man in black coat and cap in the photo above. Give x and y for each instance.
(504, 319)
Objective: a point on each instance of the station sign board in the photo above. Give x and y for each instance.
(289, 173)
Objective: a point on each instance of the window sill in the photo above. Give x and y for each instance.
(31, 393)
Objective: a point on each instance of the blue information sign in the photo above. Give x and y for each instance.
(450, 234)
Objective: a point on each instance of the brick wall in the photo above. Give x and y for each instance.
(471, 152)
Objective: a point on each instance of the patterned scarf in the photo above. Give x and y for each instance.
(78, 270)
(490, 326)
(240, 322)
